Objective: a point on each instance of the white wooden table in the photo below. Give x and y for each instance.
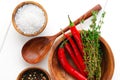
(11, 61)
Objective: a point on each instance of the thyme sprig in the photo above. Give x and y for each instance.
(92, 54)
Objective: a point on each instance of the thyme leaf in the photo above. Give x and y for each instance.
(92, 53)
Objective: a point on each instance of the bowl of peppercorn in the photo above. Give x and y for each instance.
(33, 73)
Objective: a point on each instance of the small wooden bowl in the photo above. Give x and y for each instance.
(57, 72)
(31, 72)
(21, 5)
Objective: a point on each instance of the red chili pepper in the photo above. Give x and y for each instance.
(77, 54)
(76, 35)
(71, 53)
(67, 67)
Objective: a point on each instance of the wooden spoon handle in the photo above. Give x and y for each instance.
(83, 17)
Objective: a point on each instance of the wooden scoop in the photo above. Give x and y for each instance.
(37, 48)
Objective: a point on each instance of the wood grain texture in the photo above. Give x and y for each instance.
(34, 50)
(57, 72)
(23, 72)
(25, 3)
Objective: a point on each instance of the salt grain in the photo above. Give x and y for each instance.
(30, 19)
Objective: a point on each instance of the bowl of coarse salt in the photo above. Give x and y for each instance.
(29, 18)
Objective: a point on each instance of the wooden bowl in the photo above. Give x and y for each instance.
(57, 72)
(21, 5)
(31, 72)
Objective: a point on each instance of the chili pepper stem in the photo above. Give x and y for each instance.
(61, 45)
(65, 35)
(71, 23)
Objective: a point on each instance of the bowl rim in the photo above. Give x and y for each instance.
(19, 6)
(50, 64)
(29, 68)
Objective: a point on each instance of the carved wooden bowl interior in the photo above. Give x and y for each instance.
(57, 72)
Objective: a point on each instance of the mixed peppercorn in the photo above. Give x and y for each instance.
(34, 74)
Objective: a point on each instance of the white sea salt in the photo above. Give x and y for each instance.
(30, 18)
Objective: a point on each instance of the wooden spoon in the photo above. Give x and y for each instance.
(37, 48)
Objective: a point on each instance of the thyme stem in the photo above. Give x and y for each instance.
(92, 55)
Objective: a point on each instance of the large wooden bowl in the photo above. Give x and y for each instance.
(57, 72)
